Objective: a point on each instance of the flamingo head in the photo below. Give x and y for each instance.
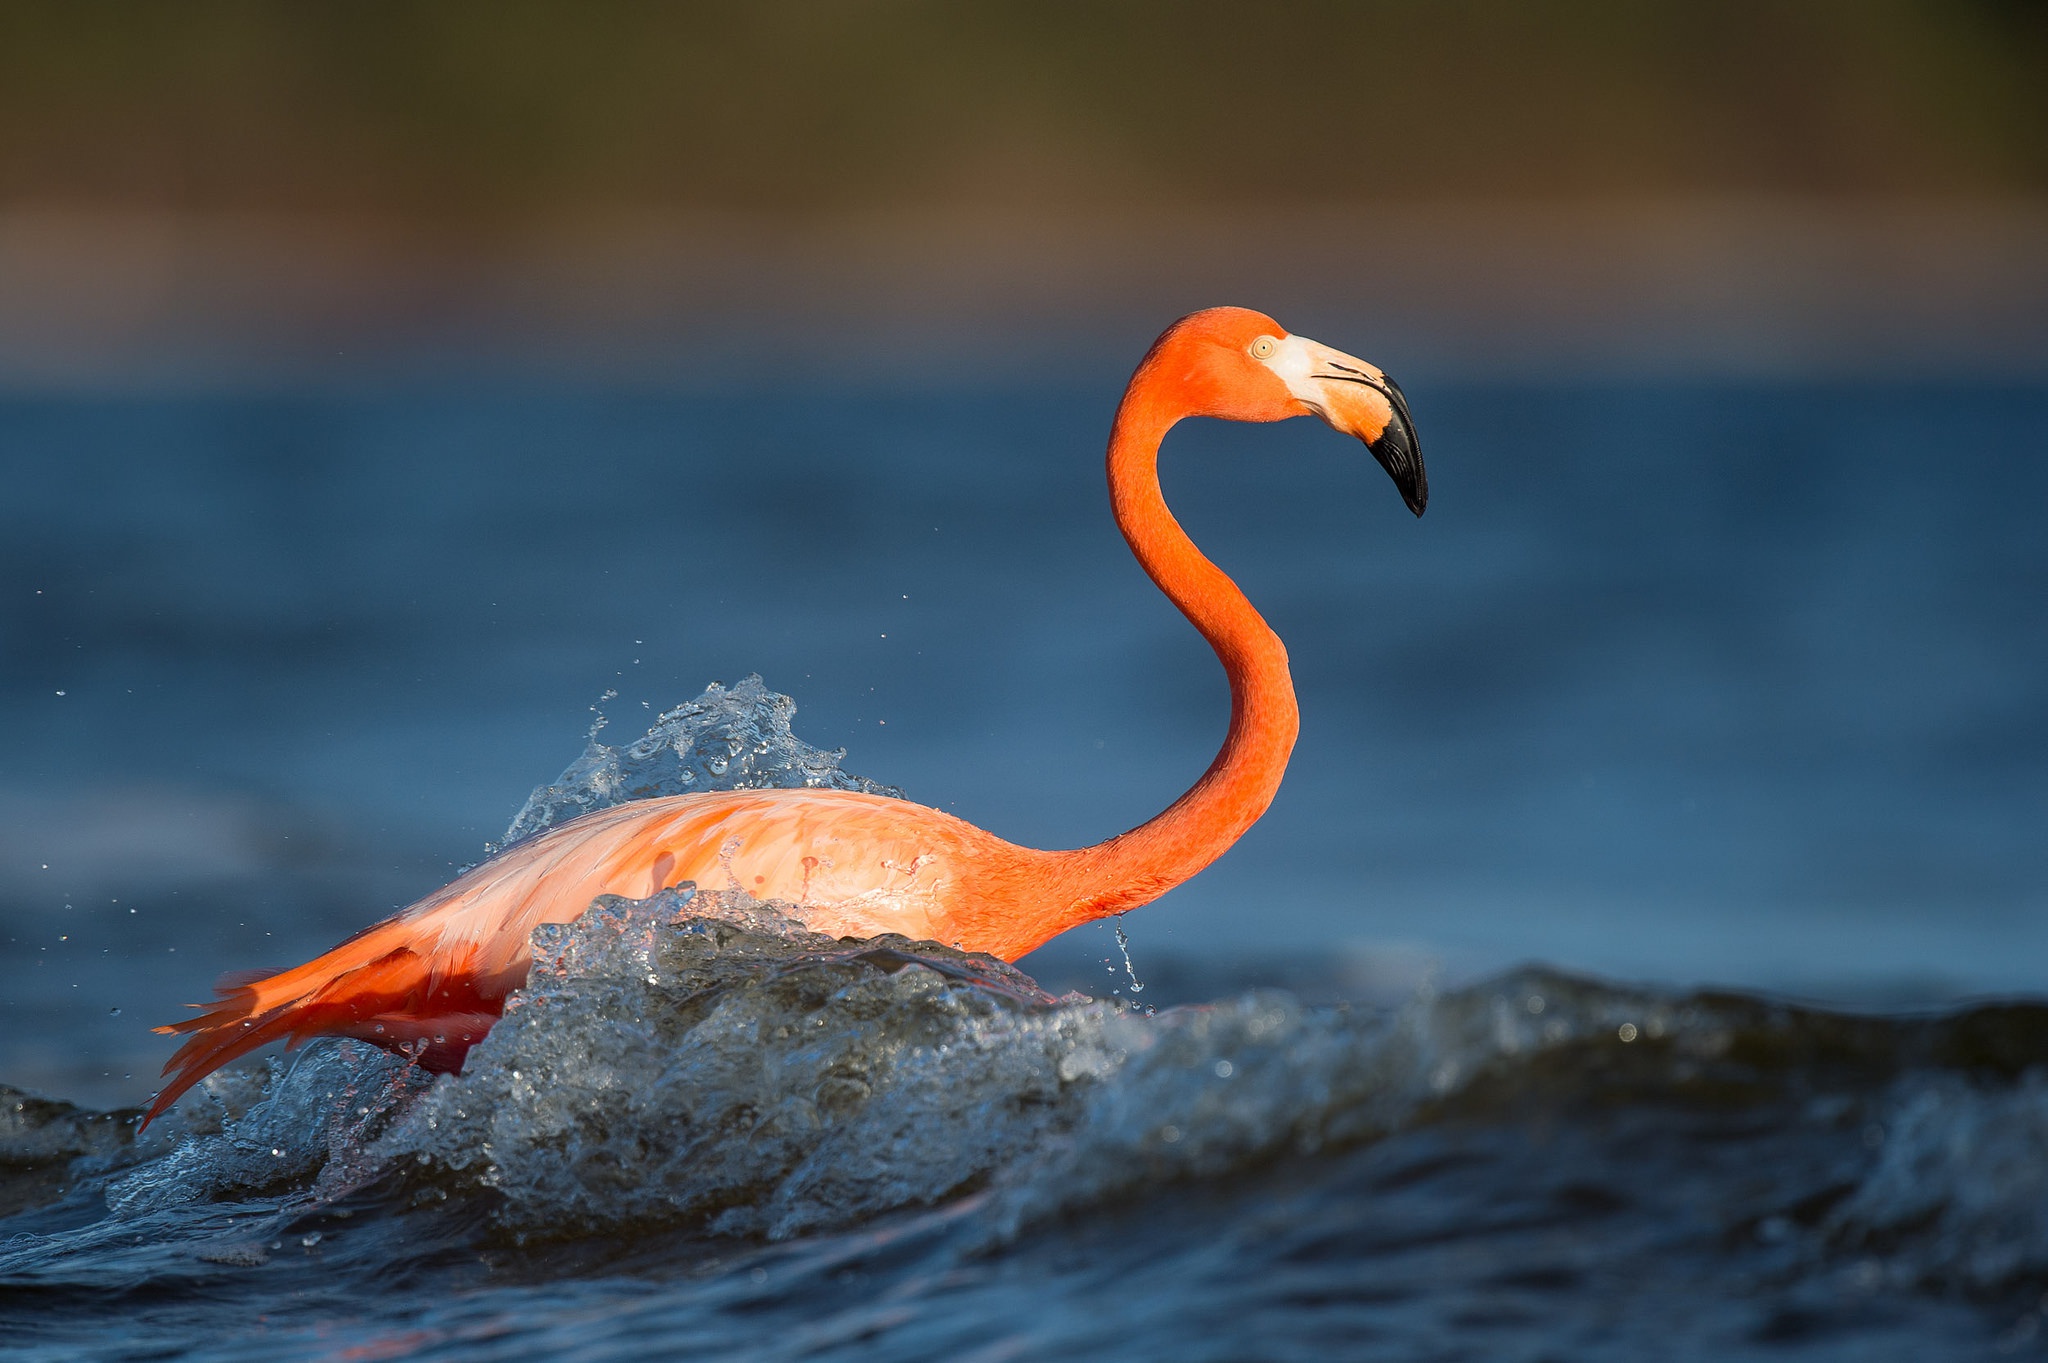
(1243, 366)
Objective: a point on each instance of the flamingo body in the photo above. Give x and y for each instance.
(431, 980)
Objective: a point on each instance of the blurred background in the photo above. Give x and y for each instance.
(383, 385)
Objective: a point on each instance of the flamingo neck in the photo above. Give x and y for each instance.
(1136, 867)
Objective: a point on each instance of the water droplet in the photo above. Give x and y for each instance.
(1123, 944)
(1627, 1031)
(1224, 1069)
(116, 1012)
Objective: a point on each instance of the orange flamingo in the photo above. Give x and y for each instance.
(431, 980)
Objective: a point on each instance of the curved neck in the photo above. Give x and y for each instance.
(1140, 865)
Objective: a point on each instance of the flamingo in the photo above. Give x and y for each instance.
(431, 980)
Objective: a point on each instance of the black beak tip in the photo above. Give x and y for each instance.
(1398, 455)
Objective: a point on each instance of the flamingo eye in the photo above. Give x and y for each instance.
(1263, 348)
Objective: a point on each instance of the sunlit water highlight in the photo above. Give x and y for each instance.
(702, 1131)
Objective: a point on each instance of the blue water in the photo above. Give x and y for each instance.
(691, 1137)
(1679, 685)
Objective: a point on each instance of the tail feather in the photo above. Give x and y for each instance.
(228, 981)
(380, 985)
(228, 1035)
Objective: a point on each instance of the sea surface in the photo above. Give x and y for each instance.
(1641, 960)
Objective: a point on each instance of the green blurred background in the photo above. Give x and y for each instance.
(241, 192)
(511, 112)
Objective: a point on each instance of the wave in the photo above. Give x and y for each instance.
(703, 1062)
(698, 1065)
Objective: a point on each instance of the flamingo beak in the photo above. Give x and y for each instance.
(1360, 400)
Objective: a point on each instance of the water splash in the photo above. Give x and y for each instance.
(704, 1060)
(729, 738)
(751, 1076)
(300, 1123)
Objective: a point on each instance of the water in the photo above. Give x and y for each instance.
(701, 1127)
(726, 739)
(737, 1141)
(1734, 685)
